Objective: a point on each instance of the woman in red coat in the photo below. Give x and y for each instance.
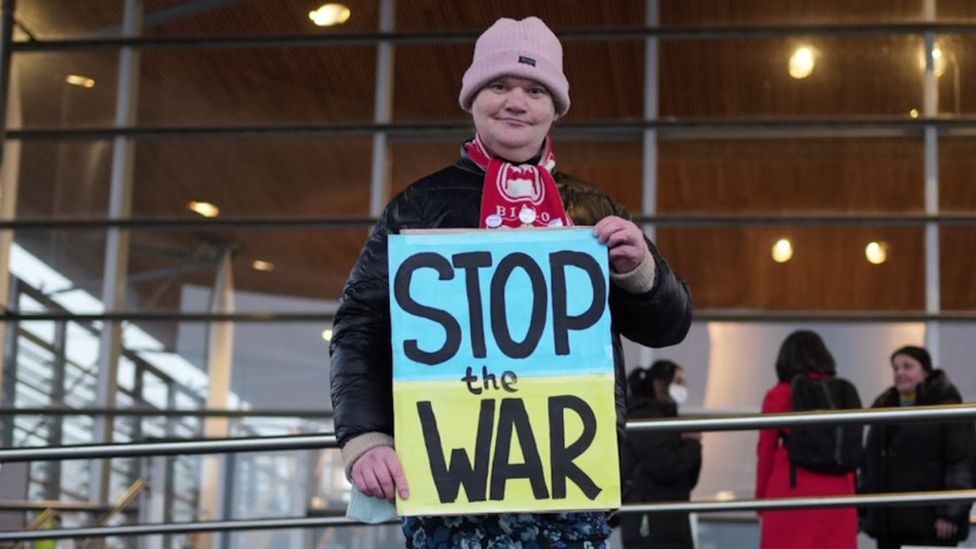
(802, 352)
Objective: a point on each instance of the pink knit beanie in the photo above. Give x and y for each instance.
(526, 49)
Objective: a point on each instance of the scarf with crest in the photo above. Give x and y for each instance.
(518, 195)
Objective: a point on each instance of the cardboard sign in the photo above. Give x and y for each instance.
(503, 376)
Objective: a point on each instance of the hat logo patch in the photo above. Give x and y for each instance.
(526, 60)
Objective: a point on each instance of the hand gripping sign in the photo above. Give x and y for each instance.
(503, 376)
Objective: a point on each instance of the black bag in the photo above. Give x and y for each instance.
(824, 448)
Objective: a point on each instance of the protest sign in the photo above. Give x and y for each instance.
(503, 374)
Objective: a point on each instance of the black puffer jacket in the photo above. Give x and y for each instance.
(451, 198)
(917, 457)
(658, 466)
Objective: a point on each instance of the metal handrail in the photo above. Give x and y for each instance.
(57, 505)
(663, 220)
(607, 128)
(735, 422)
(466, 36)
(702, 315)
(701, 506)
(156, 412)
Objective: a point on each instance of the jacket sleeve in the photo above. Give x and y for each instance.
(658, 317)
(667, 458)
(768, 442)
(361, 356)
(959, 449)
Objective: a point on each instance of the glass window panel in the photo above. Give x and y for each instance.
(62, 89)
(851, 76)
(956, 10)
(957, 164)
(282, 176)
(613, 73)
(759, 12)
(177, 18)
(257, 86)
(258, 17)
(782, 175)
(955, 67)
(185, 87)
(733, 268)
(420, 16)
(612, 166)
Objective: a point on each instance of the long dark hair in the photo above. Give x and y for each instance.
(641, 380)
(803, 352)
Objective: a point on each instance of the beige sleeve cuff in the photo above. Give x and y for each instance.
(641, 279)
(358, 446)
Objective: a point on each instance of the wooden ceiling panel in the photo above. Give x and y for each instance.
(957, 83)
(853, 76)
(957, 265)
(802, 175)
(797, 12)
(438, 15)
(614, 167)
(733, 268)
(266, 86)
(301, 177)
(957, 173)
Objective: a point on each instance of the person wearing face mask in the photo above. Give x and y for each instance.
(504, 179)
(918, 457)
(658, 465)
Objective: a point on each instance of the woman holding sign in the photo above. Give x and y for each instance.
(515, 90)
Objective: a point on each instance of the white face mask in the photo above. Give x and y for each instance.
(678, 393)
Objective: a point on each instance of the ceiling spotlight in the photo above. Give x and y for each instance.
(261, 265)
(876, 252)
(782, 250)
(938, 60)
(205, 209)
(330, 14)
(913, 113)
(802, 62)
(80, 81)
(327, 334)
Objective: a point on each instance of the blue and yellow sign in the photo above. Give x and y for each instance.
(503, 377)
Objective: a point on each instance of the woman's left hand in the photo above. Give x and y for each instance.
(945, 529)
(625, 241)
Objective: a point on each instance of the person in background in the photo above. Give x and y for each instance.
(505, 178)
(802, 353)
(658, 465)
(918, 457)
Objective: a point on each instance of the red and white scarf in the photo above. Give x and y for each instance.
(518, 195)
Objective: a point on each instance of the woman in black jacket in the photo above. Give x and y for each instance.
(506, 176)
(918, 457)
(659, 465)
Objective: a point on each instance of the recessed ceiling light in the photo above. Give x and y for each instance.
(876, 252)
(330, 14)
(913, 113)
(938, 60)
(802, 62)
(782, 250)
(327, 334)
(261, 265)
(80, 81)
(206, 209)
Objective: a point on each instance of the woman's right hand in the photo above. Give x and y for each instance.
(378, 473)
